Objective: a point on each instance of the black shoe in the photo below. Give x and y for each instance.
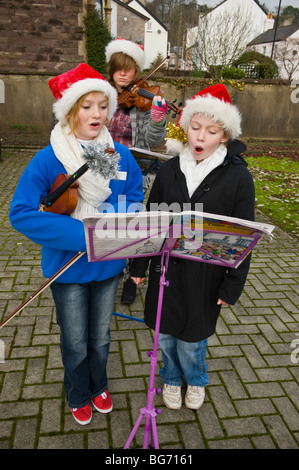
(129, 292)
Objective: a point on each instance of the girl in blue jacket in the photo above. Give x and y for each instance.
(85, 293)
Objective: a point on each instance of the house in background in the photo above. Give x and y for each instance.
(133, 21)
(250, 9)
(225, 31)
(156, 34)
(124, 21)
(285, 51)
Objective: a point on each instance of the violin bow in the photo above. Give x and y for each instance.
(43, 287)
(143, 79)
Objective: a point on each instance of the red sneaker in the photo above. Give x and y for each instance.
(82, 415)
(103, 402)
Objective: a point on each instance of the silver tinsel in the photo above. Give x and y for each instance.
(101, 162)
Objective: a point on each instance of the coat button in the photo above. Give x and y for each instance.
(206, 187)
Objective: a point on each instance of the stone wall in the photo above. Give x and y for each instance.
(26, 105)
(41, 37)
(268, 110)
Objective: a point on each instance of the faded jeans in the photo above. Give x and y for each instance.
(84, 313)
(183, 359)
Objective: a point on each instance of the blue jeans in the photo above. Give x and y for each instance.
(183, 359)
(84, 313)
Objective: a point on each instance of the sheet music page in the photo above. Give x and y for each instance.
(194, 235)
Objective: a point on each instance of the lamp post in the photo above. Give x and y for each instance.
(275, 30)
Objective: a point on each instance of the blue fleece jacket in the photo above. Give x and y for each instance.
(62, 236)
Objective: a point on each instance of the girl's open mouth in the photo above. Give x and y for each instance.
(198, 149)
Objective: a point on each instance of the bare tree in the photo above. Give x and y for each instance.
(221, 39)
(176, 15)
(287, 56)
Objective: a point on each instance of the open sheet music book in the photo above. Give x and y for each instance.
(143, 153)
(209, 238)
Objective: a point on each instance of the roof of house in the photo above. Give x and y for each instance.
(281, 34)
(151, 14)
(125, 5)
(262, 8)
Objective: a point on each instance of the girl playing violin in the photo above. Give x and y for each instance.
(129, 125)
(84, 295)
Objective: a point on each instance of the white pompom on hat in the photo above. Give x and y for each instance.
(133, 50)
(213, 101)
(69, 86)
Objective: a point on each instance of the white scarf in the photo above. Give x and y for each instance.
(93, 189)
(195, 172)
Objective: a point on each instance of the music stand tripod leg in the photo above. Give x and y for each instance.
(149, 412)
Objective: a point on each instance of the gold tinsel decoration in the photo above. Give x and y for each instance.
(175, 132)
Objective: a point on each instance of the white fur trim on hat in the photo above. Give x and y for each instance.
(174, 147)
(71, 95)
(129, 48)
(222, 112)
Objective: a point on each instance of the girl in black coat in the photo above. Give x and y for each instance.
(209, 170)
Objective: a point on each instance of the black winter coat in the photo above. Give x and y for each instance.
(190, 309)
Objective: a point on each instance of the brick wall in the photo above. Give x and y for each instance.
(129, 25)
(45, 36)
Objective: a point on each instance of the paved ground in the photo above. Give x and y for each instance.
(253, 398)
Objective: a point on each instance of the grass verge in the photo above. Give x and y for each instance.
(276, 188)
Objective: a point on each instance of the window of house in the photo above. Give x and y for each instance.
(149, 26)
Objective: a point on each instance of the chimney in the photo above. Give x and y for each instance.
(269, 22)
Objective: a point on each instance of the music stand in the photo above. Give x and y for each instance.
(234, 238)
(149, 412)
(100, 251)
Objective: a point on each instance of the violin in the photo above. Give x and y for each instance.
(142, 97)
(63, 195)
(134, 95)
(66, 203)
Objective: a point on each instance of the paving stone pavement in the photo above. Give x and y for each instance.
(253, 397)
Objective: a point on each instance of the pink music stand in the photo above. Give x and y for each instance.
(149, 412)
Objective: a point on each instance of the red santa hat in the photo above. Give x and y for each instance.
(68, 87)
(213, 101)
(133, 50)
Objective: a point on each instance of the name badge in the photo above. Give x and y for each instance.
(122, 175)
